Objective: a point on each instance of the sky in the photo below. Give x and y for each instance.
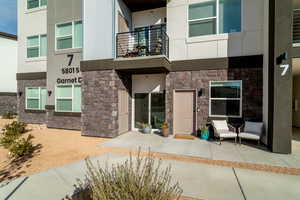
(8, 16)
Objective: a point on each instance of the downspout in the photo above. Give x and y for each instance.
(114, 29)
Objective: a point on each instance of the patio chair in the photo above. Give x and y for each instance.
(251, 131)
(223, 130)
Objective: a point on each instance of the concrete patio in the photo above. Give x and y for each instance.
(228, 151)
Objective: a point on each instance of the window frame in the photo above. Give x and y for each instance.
(240, 99)
(209, 18)
(39, 6)
(68, 98)
(39, 46)
(67, 36)
(39, 98)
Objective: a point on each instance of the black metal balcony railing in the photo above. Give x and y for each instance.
(144, 42)
(296, 26)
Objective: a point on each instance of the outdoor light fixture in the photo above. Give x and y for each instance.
(281, 58)
(20, 93)
(200, 92)
(49, 93)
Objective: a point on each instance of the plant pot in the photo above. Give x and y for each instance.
(205, 135)
(165, 132)
(147, 130)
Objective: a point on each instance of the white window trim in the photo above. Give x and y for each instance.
(67, 36)
(240, 99)
(39, 46)
(217, 19)
(36, 8)
(34, 98)
(68, 98)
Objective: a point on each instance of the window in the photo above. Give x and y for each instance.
(69, 35)
(36, 98)
(225, 98)
(214, 17)
(36, 3)
(68, 98)
(37, 46)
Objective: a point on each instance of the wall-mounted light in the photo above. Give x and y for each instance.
(200, 92)
(281, 58)
(49, 93)
(20, 93)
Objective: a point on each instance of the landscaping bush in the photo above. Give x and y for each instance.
(12, 141)
(140, 180)
(16, 127)
(8, 115)
(22, 147)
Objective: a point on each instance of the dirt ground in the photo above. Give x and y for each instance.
(55, 148)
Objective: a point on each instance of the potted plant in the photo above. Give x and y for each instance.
(165, 129)
(205, 132)
(145, 128)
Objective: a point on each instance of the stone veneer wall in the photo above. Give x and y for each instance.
(34, 117)
(100, 102)
(63, 120)
(252, 90)
(8, 103)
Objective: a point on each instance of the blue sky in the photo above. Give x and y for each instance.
(8, 16)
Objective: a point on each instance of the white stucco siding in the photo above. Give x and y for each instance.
(149, 17)
(8, 65)
(30, 22)
(247, 42)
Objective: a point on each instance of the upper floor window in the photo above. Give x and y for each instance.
(69, 35)
(214, 17)
(37, 46)
(36, 3)
(225, 99)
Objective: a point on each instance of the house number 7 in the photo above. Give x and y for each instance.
(285, 69)
(71, 56)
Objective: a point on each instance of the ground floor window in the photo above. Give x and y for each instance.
(36, 98)
(68, 98)
(149, 108)
(225, 98)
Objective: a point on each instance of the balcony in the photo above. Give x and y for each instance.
(147, 41)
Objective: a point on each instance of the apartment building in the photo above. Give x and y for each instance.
(8, 66)
(114, 64)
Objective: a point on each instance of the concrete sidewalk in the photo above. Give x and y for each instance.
(228, 151)
(197, 181)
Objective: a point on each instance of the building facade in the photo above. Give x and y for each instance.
(8, 65)
(113, 65)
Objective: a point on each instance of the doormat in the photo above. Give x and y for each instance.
(182, 136)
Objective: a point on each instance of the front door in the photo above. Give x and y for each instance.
(123, 111)
(184, 112)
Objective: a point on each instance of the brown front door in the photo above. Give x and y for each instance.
(123, 104)
(183, 112)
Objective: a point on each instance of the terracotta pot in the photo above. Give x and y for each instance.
(165, 132)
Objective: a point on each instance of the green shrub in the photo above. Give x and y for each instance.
(143, 180)
(8, 115)
(22, 147)
(16, 127)
(9, 137)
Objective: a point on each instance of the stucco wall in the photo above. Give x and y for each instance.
(247, 42)
(62, 12)
(8, 65)
(30, 22)
(149, 17)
